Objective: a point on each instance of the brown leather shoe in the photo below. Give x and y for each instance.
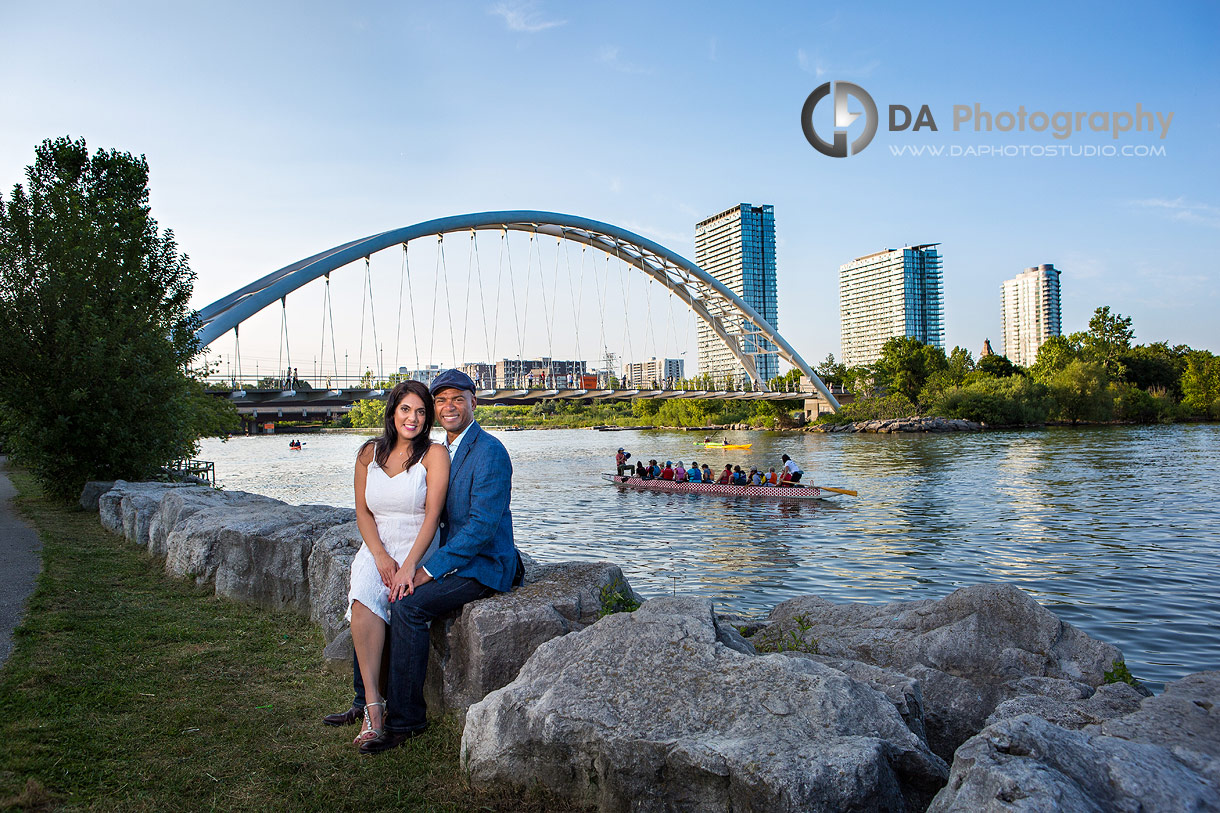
(350, 717)
(388, 740)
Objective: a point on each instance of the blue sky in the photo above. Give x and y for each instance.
(275, 130)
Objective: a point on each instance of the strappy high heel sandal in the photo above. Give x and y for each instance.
(367, 732)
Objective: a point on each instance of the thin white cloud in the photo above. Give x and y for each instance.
(666, 238)
(523, 16)
(1080, 266)
(819, 67)
(609, 56)
(1202, 214)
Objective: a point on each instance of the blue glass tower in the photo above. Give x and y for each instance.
(737, 247)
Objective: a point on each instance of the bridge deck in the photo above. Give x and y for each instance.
(339, 400)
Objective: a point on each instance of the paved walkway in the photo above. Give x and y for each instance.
(20, 562)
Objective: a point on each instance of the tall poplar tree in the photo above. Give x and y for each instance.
(96, 333)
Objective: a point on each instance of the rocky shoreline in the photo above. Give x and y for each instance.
(897, 425)
(980, 701)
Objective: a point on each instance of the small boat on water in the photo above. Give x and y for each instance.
(775, 492)
(725, 445)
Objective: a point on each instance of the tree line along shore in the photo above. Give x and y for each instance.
(1093, 376)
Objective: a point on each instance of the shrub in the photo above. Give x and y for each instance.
(1011, 401)
(894, 405)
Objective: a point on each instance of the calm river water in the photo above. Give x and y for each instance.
(1116, 529)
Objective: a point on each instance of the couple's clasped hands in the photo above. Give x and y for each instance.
(401, 581)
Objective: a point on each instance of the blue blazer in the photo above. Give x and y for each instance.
(477, 526)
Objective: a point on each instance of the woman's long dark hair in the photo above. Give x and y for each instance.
(382, 446)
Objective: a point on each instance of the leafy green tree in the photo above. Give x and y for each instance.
(960, 364)
(1201, 384)
(788, 382)
(367, 414)
(1108, 339)
(1055, 354)
(831, 372)
(1155, 366)
(97, 332)
(775, 414)
(1132, 403)
(645, 407)
(996, 366)
(893, 405)
(1008, 401)
(684, 412)
(906, 364)
(1081, 393)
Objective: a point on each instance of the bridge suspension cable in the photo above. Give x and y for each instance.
(284, 345)
(237, 350)
(743, 332)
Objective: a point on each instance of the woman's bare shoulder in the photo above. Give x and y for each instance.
(365, 455)
(436, 454)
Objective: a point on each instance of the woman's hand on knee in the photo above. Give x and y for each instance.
(387, 568)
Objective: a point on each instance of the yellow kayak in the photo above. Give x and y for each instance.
(725, 445)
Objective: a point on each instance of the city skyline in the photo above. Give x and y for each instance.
(273, 152)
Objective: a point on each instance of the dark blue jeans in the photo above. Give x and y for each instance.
(410, 633)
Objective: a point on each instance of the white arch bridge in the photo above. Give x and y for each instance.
(741, 329)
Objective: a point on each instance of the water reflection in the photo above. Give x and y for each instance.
(1113, 528)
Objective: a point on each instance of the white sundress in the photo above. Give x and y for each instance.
(397, 504)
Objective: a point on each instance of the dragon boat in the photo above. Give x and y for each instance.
(797, 492)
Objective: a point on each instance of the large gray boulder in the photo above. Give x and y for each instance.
(1165, 756)
(1089, 706)
(650, 711)
(902, 691)
(484, 646)
(970, 651)
(330, 567)
(92, 492)
(255, 552)
(177, 504)
(127, 508)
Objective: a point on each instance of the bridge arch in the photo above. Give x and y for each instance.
(701, 292)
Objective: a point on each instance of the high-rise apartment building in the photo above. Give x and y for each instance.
(654, 372)
(737, 247)
(896, 292)
(1030, 313)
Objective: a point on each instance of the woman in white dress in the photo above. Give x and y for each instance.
(401, 480)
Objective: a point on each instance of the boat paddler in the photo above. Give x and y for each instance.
(794, 471)
(620, 460)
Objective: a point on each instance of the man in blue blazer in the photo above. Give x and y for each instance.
(476, 557)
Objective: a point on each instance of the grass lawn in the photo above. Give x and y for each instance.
(131, 690)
